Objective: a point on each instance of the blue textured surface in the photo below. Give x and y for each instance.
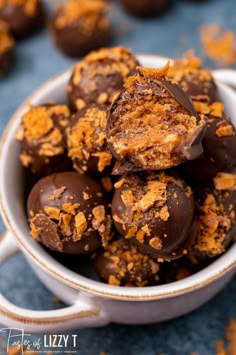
(36, 62)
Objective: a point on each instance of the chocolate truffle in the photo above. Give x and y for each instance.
(177, 270)
(217, 221)
(155, 210)
(100, 76)
(121, 264)
(146, 8)
(42, 139)
(153, 124)
(219, 146)
(79, 26)
(193, 79)
(6, 49)
(23, 16)
(68, 213)
(86, 139)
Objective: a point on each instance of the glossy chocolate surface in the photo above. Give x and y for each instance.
(24, 18)
(100, 76)
(161, 222)
(69, 213)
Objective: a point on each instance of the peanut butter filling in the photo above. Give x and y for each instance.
(150, 127)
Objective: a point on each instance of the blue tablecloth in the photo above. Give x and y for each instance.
(37, 60)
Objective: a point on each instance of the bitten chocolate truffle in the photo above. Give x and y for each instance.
(42, 139)
(23, 17)
(100, 76)
(121, 264)
(219, 146)
(80, 26)
(86, 139)
(217, 221)
(146, 8)
(153, 124)
(193, 79)
(6, 49)
(155, 210)
(69, 213)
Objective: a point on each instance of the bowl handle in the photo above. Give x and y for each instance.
(81, 314)
(227, 76)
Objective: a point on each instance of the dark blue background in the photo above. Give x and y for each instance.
(37, 60)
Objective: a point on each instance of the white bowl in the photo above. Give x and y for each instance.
(93, 303)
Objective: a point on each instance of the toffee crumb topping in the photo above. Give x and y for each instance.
(73, 10)
(29, 6)
(87, 139)
(128, 266)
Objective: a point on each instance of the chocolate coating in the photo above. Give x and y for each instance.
(87, 145)
(6, 49)
(100, 76)
(121, 264)
(23, 17)
(80, 26)
(219, 148)
(153, 124)
(157, 211)
(69, 213)
(217, 221)
(146, 8)
(193, 79)
(42, 139)
(180, 269)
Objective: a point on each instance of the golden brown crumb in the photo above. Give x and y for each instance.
(214, 222)
(87, 139)
(230, 334)
(56, 299)
(162, 71)
(218, 44)
(113, 280)
(52, 212)
(30, 6)
(107, 184)
(80, 224)
(155, 243)
(6, 41)
(73, 10)
(225, 181)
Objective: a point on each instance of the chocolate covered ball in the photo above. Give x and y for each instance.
(155, 210)
(100, 76)
(121, 264)
(7, 44)
(195, 80)
(79, 26)
(42, 139)
(153, 124)
(23, 17)
(217, 221)
(146, 8)
(87, 145)
(219, 146)
(69, 213)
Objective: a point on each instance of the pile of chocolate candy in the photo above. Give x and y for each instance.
(137, 171)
